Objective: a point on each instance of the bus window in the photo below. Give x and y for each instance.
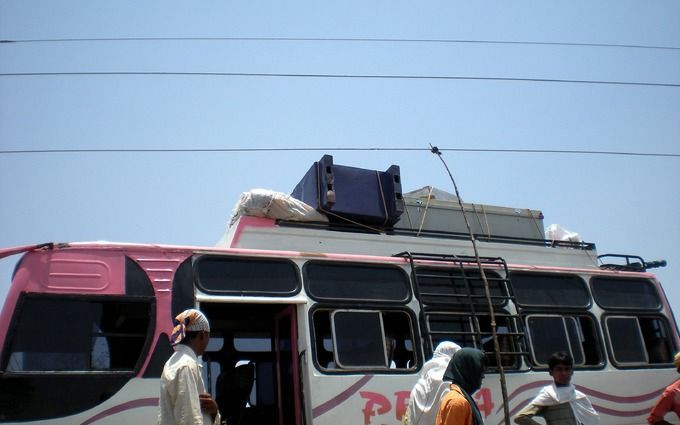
(98, 334)
(363, 339)
(549, 290)
(218, 275)
(457, 286)
(474, 330)
(58, 345)
(617, 293)
(575, 334)
(455, 308)
(333, 281)
(637, 341)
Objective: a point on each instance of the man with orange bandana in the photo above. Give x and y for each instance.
(183, 398)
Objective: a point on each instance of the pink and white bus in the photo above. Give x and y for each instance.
(315, 325)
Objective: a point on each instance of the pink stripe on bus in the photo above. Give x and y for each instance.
(340, 398)
(133, 404)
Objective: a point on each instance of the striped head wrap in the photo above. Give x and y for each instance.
(188, 321)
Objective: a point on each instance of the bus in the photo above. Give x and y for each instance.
(326, 323)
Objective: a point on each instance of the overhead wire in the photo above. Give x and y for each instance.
(342, 39)
(329, 149)
(331, 76)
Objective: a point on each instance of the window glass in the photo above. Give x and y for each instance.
(615, 293)
(535, 289)
(246, 276)
(363, 339)
(658, 342)
(575, 339)
(626, 340)
(639, 340)
(548, 336)
(356, 282)
(575, 334)
(358, 339)
(450, 286)
(78, 335)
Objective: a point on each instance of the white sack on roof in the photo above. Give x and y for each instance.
(555, 232)
(276, 205)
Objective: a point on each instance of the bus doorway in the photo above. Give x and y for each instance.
(250, 365)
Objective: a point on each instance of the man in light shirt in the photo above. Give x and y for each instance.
(560, 403)
(183, 398)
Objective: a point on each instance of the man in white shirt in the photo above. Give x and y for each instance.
(183, 398)
(559, 403)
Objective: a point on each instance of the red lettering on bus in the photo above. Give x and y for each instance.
(401, 404)
(484, 401)
(375, 404)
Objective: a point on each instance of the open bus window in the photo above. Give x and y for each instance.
(575, 334)
(636, 341)
(71, 334)
(363, 339)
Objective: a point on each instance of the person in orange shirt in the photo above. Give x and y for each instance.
(466, 372)
(669, 401)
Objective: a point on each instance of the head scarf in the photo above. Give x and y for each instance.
(445, 350)
(430, 388)
(465, 370)
(188, 321)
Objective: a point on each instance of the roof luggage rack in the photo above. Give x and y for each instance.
(633, 263)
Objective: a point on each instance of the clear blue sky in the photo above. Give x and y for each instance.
(624, 204)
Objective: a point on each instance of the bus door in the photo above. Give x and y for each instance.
(287, 368)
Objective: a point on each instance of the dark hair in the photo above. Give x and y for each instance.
(561, 357)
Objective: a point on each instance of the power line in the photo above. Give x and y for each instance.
(329, 149)
(335, 76)
(341, 39)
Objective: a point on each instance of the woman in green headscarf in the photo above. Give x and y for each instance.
(466, 372)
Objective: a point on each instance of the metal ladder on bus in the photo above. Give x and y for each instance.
(515, 332)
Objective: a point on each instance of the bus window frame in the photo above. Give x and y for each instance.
(657, 293)
(628, 314)
(414, 328)
(574, 315)
(458, 273)
(406, 280)
(584, 282)
(198, 285)
(334, 335)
